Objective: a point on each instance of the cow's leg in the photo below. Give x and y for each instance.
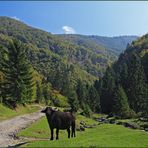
(73, 130)
(51, 134)
(68, 130)
(74, 133)
(57, 134)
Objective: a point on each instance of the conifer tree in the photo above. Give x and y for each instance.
(39, 94)
(94, 99)
(120, 103)
(72, 99)
(18, 76)
(3, 53)
(47, 92)
(107, 87)
(137, 88)
(81, 93)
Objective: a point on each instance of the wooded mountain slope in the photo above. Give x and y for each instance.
(90, 53)
(113, 45)
(124, 87)
(63, 69)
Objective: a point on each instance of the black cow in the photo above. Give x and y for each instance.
(60, 120)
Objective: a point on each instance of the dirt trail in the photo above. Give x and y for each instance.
(9, 128)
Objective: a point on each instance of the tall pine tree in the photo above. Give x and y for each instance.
(39, 95)
(94, 99)
(107, 87)
(81, 93)
(120, 103)
(72, 99)
(18, 85)
(137, 88)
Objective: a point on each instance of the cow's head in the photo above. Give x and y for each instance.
(48, 110)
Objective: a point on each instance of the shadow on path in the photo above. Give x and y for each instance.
(18, 145)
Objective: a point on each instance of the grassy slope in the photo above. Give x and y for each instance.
(105, 135)
(7, 113)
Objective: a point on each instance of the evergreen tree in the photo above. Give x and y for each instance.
(39, 94)
(94, 100)
(72, 100)
(3, 54)
(137, 88)
(122, 75)
(145, 65)
(97, 85)
(66, 81)
(120, 103)
(81, 93)
(47, 93)
(107, 87)
(18, 76)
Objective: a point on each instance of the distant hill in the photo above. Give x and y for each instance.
(116, 45)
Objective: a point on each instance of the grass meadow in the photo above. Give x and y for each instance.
(103, 135)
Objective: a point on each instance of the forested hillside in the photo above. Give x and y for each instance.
(59, 70)
(124, 87)
(112, 45)
(83, 57)
(92, 54)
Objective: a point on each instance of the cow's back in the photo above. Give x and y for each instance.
(61, 120)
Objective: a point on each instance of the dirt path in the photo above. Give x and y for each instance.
(9, 128)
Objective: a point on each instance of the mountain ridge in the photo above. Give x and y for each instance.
(115, 44)
(84, 52)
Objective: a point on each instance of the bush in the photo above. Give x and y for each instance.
(128, 114)
(59, 100)
(86, 111)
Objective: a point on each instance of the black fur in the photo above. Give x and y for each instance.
(60, 120)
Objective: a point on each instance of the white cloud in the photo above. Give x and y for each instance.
(68, 30)
(16, 18)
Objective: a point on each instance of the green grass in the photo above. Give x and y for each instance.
(40, 129)
(96, 115)
(88, 121)
(7, 113)
(104, 135)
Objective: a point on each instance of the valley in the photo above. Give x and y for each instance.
(96, 77)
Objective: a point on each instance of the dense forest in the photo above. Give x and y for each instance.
(71, 70)
(124, 87)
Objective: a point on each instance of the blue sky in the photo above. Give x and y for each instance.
(98, 18)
